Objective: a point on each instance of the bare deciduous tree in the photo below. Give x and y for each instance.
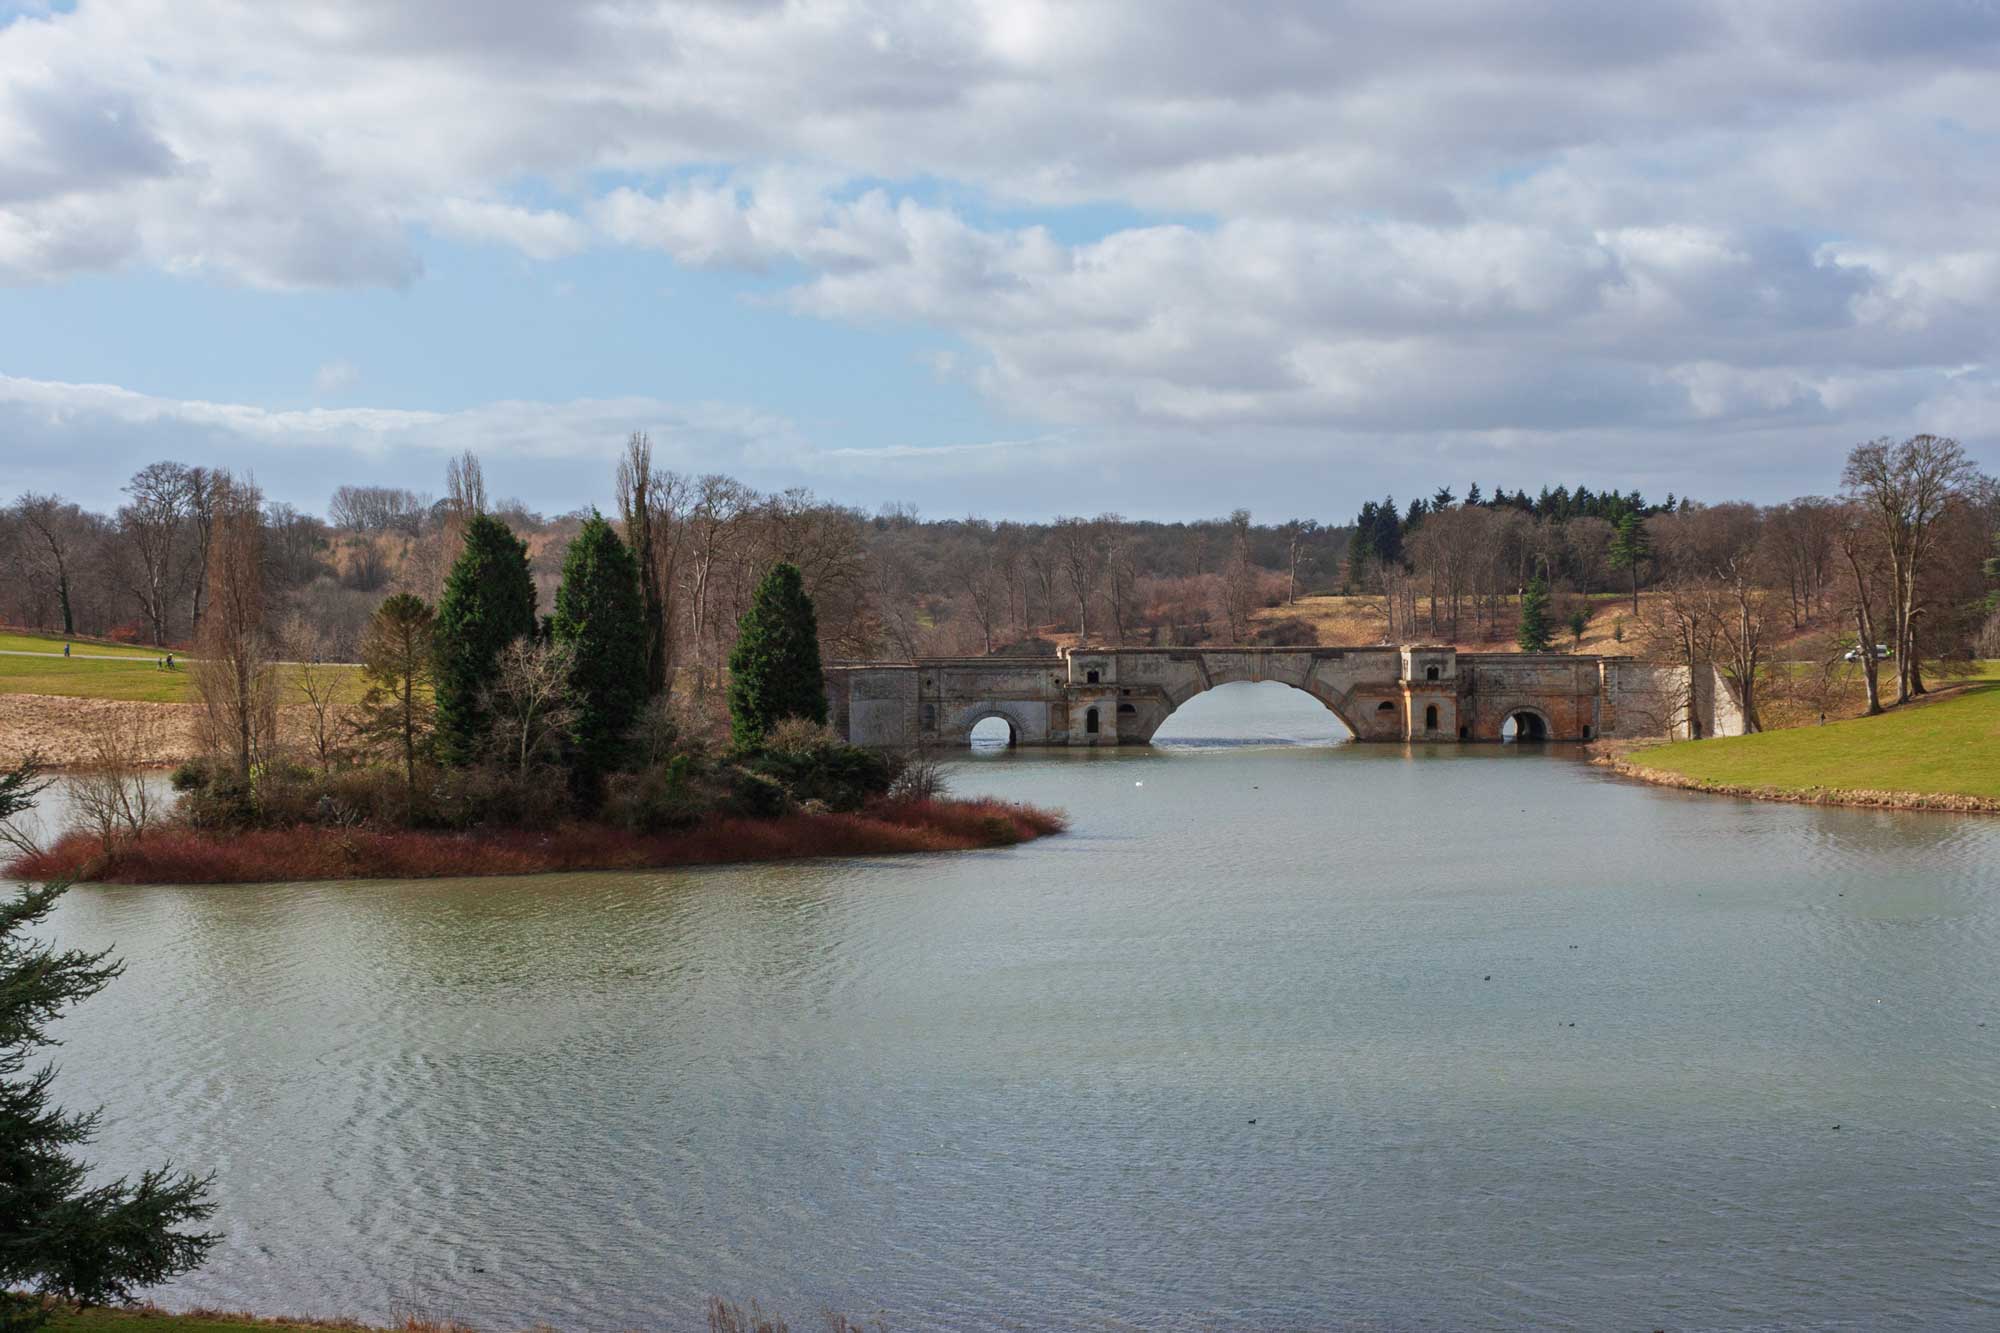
(639, 507)
(529, 702)
(234, 672)
(316, 687)
(1075, 544)
(465, 486)
(152, 545)
(715, 505)
(53, 535)
(1904, 489)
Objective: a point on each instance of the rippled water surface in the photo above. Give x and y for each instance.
(1311, 1036)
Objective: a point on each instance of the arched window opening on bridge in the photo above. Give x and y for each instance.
(1385, 707)
(1090, 722)
(993, 733)
(1128, 708)
(1524, 726)
(1430, 673)
(1090, 678)
(1431, 716)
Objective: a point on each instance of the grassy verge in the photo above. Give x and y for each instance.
(1941, 753)
(184, 856)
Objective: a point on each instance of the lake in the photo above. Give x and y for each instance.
(1288, 1034)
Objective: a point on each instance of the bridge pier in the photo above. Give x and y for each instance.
(1086, 697)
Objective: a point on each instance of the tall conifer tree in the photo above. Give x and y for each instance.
(1628, 549)
(488, 602)
(599, 612)
(61, 1234)
(775, 671)
(1535, 635)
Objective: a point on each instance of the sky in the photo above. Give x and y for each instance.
(1018, 258)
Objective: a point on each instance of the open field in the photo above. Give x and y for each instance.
(139, 680)
(18, 641)
(1948, 746)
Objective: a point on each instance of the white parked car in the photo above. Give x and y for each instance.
(1854, 654)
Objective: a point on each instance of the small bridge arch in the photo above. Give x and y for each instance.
(1529, 724)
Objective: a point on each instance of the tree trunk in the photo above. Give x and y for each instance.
(1864, 625)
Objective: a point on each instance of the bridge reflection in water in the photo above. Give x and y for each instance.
(1122, 696)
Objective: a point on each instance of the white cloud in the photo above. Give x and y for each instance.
(697, 436)
(1430, 217)
(542, 233)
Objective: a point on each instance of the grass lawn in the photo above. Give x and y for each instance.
(1949, 746)
(15, 641)
(139, 681)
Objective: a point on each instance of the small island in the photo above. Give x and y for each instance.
(488, 740)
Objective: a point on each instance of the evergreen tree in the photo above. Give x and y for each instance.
(59, 1235)
(488, 602)
(774, 673)
(1386, 541)
(1360, 543)
(1629, 549)
(601, 616)
(1473, 499)
(1534, 634)
(397, 653)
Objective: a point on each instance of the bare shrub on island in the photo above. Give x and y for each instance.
(110, 793)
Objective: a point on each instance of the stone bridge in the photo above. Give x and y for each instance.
(1121, 696)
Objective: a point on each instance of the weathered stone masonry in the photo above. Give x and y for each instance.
(1121, 696)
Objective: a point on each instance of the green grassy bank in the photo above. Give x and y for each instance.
(1942, 752)
(33, 664)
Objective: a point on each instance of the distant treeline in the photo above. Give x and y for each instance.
(1381, 528)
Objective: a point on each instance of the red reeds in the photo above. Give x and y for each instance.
(175, 855)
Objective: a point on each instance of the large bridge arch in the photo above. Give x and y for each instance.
(1334, 701)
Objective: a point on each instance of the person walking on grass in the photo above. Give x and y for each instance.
(65, 650)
